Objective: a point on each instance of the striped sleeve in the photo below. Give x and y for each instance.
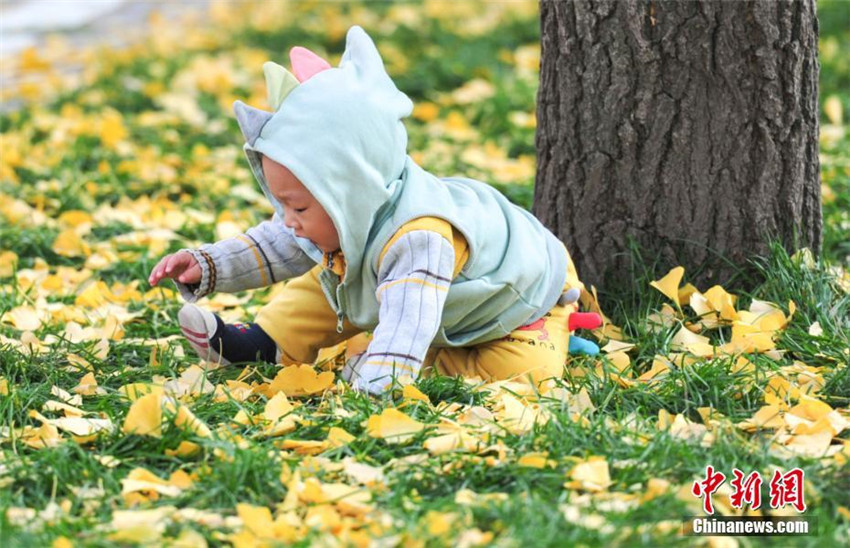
(263, 255)
(413, 281)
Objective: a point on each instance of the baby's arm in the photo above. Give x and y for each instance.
(413, 282)
(263, 255)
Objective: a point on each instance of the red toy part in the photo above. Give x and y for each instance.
(584, 320)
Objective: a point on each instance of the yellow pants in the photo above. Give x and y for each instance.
(301, 322)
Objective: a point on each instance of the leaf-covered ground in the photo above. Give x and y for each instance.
(113, 432)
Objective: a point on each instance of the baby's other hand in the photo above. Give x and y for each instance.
(180, 266)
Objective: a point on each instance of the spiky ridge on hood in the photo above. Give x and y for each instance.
(339, 130)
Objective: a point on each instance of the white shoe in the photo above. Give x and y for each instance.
(198, 326)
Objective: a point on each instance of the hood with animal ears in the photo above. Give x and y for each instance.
(339, 130)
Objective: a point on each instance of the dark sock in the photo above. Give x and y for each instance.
(243, 342)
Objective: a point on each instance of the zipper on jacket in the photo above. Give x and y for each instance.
(329, 257)
(339, 311)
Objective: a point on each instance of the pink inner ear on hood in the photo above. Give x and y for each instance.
(305, 63)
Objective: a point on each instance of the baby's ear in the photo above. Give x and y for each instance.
(305, 63)
(251, 120)
(279, 83)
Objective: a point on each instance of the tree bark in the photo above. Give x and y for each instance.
(689, 127)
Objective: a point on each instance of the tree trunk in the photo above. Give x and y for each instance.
(688, 127)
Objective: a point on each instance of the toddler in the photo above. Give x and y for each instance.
(444, 272)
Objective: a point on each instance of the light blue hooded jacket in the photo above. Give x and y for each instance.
(340, 132)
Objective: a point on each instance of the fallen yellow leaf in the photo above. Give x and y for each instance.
(669, 284)
(301, 380)
(139, 389)
(184, 449)
(410, 392)
(185, 419)
(535, 460)
(393, 426)
(145, 416)
(24, 318)
(766, 417)
(689, 341)
(8, 263)
(337, 437)
(141, 479)
(363, 474)
(590, 475)
(278, 412)
(140, 526)
(87, 385)
(304, 447)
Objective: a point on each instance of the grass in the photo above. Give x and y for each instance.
(162, 170)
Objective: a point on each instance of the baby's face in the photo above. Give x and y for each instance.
(302, 212)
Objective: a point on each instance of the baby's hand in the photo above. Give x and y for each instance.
(180, 266)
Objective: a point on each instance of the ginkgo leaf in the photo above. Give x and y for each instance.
(78, 426)
(47, 435)
(722, 302)
(112, 129)
(684, 428)
(515, 415)
(278, 412)
(139, 389)
(590, 475)
(468, 497)
(817, 445)
(337, 437)
(457, 441)
(659, 366)
(140, 526)
(767, 417)
(184, 449)
(393, 426)
(655, 487)
(193, 381)
(185, 419)
(620, 360)
(68, 243)
(145, 416)
(257, 519)
(87, 385)
(812, 416)
(8, 263)
(25, 318)
(301, 380)
(669, 284)
(236, 390)
(617, 346)
(364, 474)
(411, 393)
(350, 500)
(65, 396)
(685, 293)
(666, 317)
(535, 460)
(141, 479)
(689, 341)
(304, 447)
